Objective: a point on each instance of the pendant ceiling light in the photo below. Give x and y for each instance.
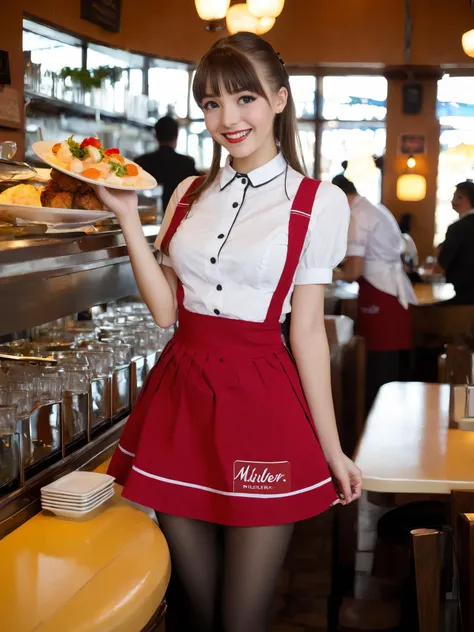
(240, 19)
(468, 43)
(265, 8)
(212, 10)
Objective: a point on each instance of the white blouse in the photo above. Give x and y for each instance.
(375, 235)
(230, 250)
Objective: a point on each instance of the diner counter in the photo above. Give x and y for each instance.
(108, 573)
(426, 293)
(73, 270)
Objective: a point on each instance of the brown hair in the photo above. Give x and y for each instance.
(229, 64)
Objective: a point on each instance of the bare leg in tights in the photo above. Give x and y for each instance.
(194, 556)
(253, 557)
(252, 562)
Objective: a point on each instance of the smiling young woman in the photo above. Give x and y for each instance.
(231, 435)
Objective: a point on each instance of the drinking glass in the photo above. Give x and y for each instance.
(48, 388)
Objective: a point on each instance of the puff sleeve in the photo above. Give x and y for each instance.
(326, 241)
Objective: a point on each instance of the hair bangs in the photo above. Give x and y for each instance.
(225, 69)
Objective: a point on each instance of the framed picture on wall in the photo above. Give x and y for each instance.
(412, 143)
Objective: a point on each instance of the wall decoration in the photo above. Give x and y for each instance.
(412, 144)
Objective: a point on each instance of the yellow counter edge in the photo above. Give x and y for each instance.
(108, 573)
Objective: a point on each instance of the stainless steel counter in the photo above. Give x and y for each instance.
(44, 278)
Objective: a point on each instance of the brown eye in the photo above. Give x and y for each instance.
(245, 100)
(210, 105)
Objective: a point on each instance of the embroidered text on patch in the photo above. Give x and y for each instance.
(262, 477)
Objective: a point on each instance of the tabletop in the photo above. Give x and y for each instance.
(407, 445)
(426, 293)
(105, 574)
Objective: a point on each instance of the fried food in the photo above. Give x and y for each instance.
(87, 201)
(53, 197)
(62, 191)
(65, 182)
(23, 194)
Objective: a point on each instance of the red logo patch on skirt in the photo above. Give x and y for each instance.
(259, 477)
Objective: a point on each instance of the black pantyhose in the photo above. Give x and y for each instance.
(228, 570)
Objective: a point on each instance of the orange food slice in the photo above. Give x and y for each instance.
(56, 148)
(132, 170)
(91, 173)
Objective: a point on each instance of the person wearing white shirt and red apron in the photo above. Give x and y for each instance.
(375, 245)
(230, 436)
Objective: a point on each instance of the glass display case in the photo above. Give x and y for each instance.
(67, 385)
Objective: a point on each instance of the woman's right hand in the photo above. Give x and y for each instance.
(123, 204)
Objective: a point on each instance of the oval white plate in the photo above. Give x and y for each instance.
(53, 216)
(43, 149)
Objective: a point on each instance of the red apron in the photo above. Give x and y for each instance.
(221, 431)
(382, 321)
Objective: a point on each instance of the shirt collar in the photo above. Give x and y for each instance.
(262, 175)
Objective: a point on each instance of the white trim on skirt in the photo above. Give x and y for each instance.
(221, 492)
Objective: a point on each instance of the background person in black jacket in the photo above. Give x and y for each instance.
(456, 256)
(165, 164)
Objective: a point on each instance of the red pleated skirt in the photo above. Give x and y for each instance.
(221, 431)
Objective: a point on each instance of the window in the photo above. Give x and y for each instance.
(355, 98)
(355, 144)
(456, 158)
(303, 88)
(50, 54)
(353, 130)
(169, 88)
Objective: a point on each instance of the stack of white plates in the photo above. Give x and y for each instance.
(77, 494)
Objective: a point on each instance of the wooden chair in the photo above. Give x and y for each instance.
(353, 380)
(462, 502)
(458, 365)
(348, 383)
(464, 553)
(348, 307)
(427, 553)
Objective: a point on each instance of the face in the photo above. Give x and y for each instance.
(242, 123)
(460, 202)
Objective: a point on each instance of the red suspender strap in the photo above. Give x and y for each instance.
(179, 213)
(300, 216)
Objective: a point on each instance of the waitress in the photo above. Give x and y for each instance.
(375, 245)
(231, 441)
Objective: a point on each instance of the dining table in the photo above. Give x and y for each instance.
(408, 446)
(341, 297)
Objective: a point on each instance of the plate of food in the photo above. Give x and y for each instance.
(93, 163)
(63, 201)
